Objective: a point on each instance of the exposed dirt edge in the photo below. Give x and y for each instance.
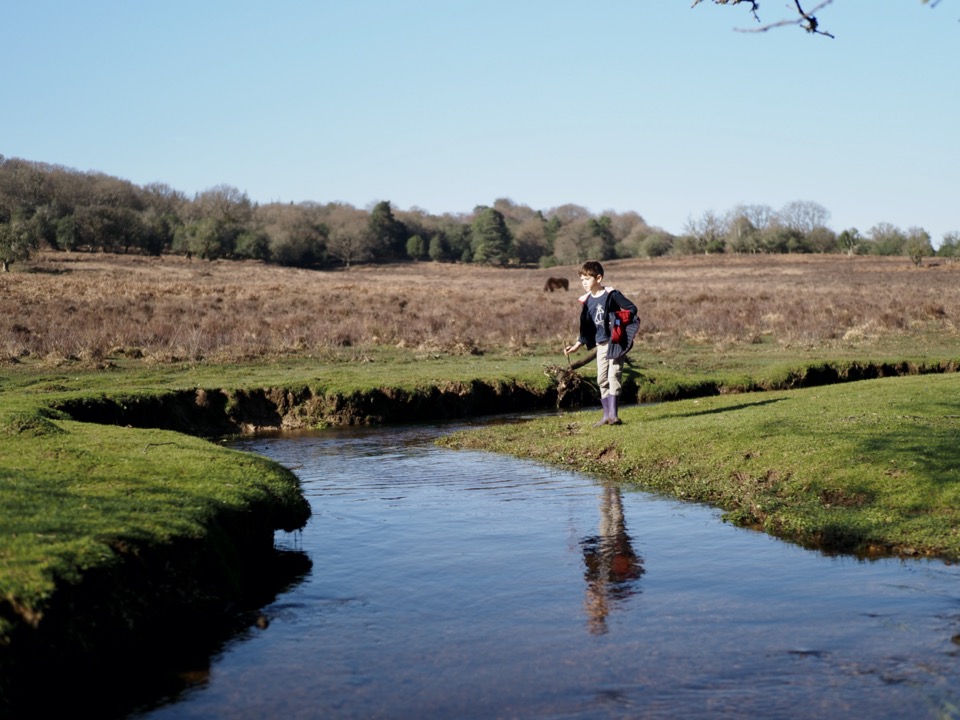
(117, 629)
(215, 412)
(813, 375)
(212, 412)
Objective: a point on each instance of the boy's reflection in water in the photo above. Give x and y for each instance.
(612, 567)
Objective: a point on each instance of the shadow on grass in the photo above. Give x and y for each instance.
(928, 441)
(731, 408)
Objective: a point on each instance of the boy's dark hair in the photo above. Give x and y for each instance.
(591, 268)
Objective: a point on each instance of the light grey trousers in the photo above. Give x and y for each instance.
(608, 372)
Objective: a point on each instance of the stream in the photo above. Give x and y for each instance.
(461, 584)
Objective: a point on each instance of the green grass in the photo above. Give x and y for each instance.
(862, 467)
(342, 372)
(75, 495)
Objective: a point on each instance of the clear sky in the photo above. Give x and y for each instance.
(644, 105)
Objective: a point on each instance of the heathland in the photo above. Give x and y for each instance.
(79, 309)
(739, 393)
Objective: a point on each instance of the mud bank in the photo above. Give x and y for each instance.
(217, 411)
(652, 389)
(112, 637)
(211, 412)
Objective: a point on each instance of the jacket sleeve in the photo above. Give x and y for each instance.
(588, 334)
(629, 326)
(624, 303)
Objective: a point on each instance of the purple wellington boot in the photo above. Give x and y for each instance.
(605, 402)
(613, 402)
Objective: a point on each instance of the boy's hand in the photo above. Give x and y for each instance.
(572, 348)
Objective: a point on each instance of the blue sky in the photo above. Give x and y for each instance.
(628, 105)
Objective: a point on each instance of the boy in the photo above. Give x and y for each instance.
(609, 322)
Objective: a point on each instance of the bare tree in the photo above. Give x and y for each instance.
(223, 204)
(297, 233)
(742, 235)
(707, 232)
(530, 240)
(513, 213)
(114, 192)
(568, 213)
(886, 239)
(759, 215)
(804, 216)
(918, 245)
(637, 243)
(622, 224)
(164, 199)
(349, 238)
(806, 19)
(822, 240)
(576, 242)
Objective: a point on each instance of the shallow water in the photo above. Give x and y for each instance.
(454, 584)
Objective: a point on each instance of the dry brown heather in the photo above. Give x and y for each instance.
(94, 306)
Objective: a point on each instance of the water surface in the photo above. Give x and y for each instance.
(454, 584)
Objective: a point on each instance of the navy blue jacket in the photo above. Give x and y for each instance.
(621, 323)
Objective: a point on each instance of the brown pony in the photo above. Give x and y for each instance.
(555, 284)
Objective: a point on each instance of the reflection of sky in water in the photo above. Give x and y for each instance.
(469, 585)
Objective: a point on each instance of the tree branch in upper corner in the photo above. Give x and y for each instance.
(805, 19)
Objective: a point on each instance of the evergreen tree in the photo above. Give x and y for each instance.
(437, 251)
(602, 230)
(416, 247)
(490, 239)
(388, 234)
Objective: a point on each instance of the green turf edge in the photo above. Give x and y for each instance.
(868, 468)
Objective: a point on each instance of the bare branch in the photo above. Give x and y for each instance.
(807, 20)
(754, 5)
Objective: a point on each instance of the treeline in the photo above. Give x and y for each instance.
(44, 205)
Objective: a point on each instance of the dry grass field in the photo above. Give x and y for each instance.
(72, 307)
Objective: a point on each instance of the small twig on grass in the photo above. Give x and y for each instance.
(149, 445)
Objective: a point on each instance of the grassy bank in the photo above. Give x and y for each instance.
(870, 467)
(79, 495)
(116, 540)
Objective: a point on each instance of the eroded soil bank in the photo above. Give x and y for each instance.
(102, 640)
(217, 411)
(210, 411)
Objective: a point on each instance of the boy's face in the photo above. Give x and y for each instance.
(591, 283)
